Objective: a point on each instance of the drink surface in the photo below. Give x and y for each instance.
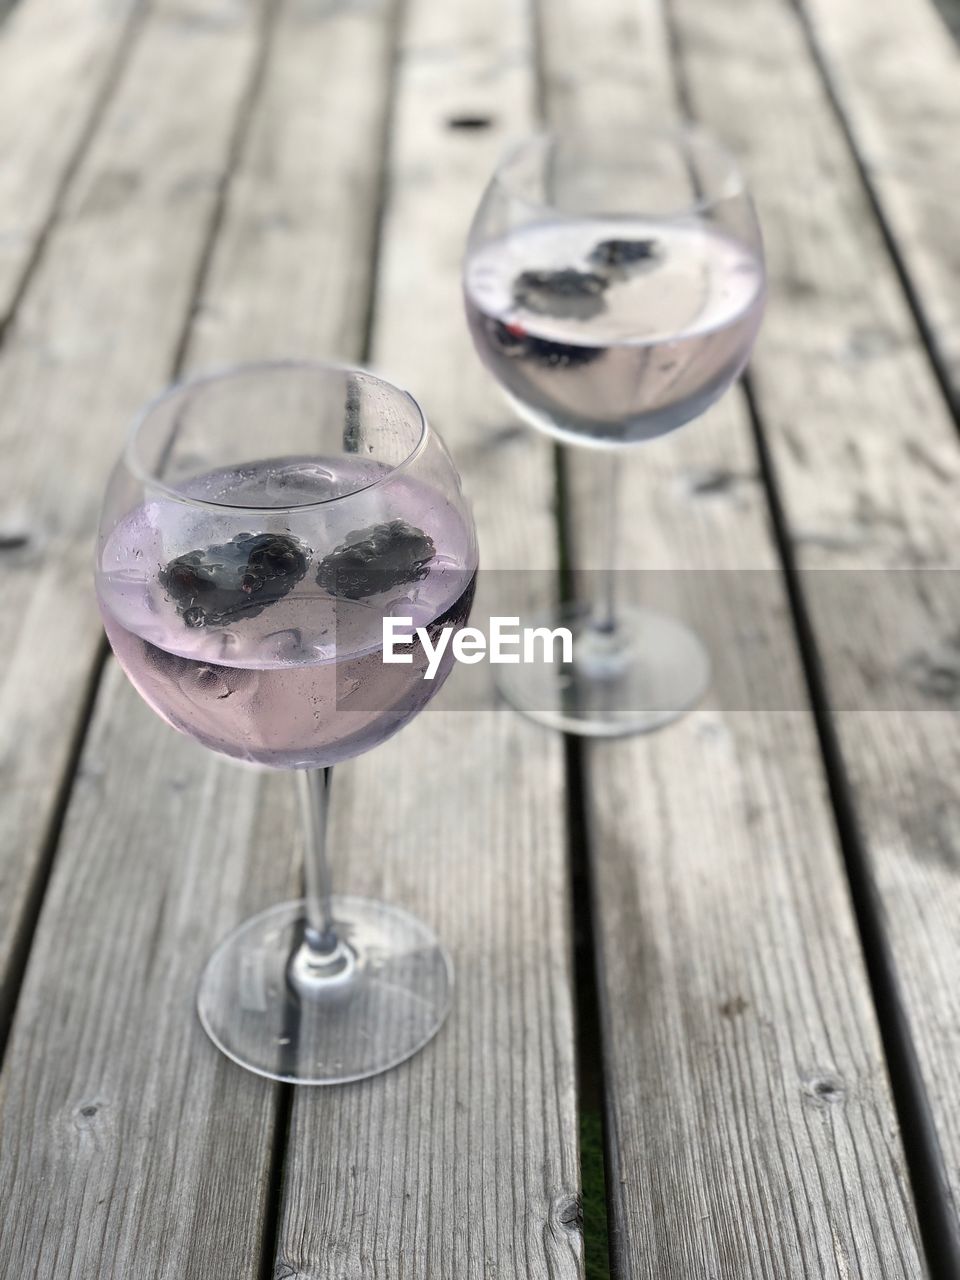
(288, 674)
(613, 330)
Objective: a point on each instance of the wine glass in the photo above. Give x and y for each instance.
(614, 288)
(260, 525)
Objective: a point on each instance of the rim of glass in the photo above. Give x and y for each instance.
(734, 182)
(187, 385)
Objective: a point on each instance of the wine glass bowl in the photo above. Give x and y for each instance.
(614, 286)
(239, 501)
(614, 292)
(258, 528)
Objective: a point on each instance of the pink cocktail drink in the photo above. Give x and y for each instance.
(292, 678)
(614, 330)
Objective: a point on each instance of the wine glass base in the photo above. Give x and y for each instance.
(370, 1014)
(647, 673)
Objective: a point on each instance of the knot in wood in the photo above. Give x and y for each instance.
(570, 1213)
(826, 1088)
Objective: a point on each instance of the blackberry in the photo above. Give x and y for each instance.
(514, 342)
(376, 559)
(567, 294)
(623, 253)
(234, 580)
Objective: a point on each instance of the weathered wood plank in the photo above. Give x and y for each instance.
(750, 1125)
(168, 1176)
(128, 1146)
(98, 328)
(867, 463)
(302, 211)
(894, 71)
(59, 59)
(462, 1162)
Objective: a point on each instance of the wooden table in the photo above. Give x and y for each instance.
(737, 940)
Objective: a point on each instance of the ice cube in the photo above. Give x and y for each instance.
(299, 482)
(286, 645)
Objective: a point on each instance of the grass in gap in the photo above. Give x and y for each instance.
(595, 1242)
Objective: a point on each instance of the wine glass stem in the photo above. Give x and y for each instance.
(314, 787)
(605, 603)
